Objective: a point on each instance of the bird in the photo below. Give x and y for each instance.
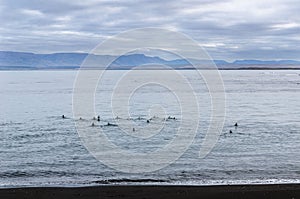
(171, 118)
(230, 131)
(98, 119)
(109, 124)
(93, 124)
(148, 121)
(236, 124)
(63, 116)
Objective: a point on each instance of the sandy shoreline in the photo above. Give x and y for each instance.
(221, 191)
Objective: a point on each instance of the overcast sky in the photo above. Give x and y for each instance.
(228, 29)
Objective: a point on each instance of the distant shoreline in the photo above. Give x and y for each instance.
(76, 69)
(273, 191)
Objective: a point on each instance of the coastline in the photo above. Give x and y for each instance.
(125, 69)
(155, 191)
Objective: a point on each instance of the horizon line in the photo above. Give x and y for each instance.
(76, 52)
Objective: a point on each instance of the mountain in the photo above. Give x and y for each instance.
(31, 60)
(138, 59)
(24, 60)
(71, 60)
(259, 62)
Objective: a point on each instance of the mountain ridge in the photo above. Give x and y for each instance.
(27, 60)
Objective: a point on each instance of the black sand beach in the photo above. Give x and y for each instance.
(279, 191)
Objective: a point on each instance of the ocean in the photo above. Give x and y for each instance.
(40, 148)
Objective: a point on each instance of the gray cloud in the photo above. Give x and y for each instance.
(228, 29)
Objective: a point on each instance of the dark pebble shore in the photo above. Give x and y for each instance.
(280, 191)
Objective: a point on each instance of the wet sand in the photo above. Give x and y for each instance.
(221, 191)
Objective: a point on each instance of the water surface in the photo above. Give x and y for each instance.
(39, 148)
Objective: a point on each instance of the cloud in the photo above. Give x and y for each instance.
(34, 13)
(228, 29)
(286, 26)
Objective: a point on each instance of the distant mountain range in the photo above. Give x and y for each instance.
(22, 60)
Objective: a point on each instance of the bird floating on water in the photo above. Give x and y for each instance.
(109, 124)
(171, 118)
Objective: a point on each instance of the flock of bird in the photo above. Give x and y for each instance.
(139, 118)
(111, 124)
(235, 125)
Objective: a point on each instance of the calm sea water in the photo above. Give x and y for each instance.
(39, 148)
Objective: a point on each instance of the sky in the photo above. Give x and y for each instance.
(227, 29)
